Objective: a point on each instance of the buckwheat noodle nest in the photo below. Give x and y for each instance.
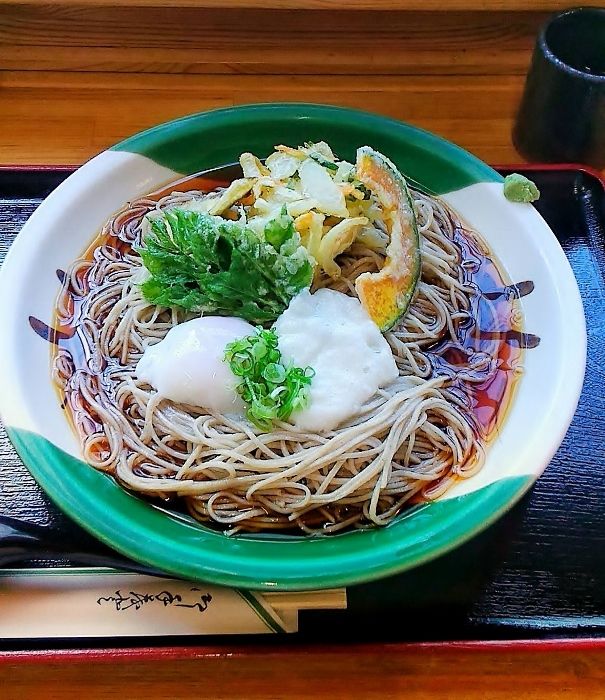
(409, 442)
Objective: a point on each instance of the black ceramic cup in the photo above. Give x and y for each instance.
(562, 113)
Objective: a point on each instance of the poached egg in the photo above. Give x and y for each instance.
(187, 365)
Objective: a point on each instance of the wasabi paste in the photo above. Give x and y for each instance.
(518, 188)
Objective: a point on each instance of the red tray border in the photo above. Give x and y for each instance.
(167, 653)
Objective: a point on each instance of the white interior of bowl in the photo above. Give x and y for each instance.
(552, 373)
(57, 233)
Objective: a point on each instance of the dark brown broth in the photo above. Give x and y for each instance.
(494, 322)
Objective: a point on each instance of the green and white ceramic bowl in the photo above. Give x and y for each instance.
(64, 225)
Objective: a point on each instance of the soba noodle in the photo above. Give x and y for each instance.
(409, 442)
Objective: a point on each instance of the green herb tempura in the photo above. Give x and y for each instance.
(207, 264)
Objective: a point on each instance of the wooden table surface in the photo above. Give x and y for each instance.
(78, 75)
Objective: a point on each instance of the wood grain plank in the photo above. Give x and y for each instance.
(345, 5)
(86, 112)
(380, 671)
(189, 40)
(340, 60)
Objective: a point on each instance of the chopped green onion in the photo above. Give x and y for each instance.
(271, 390)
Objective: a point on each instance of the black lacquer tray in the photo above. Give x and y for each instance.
(538, 573)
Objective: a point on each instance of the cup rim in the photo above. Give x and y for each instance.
(553, 58)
